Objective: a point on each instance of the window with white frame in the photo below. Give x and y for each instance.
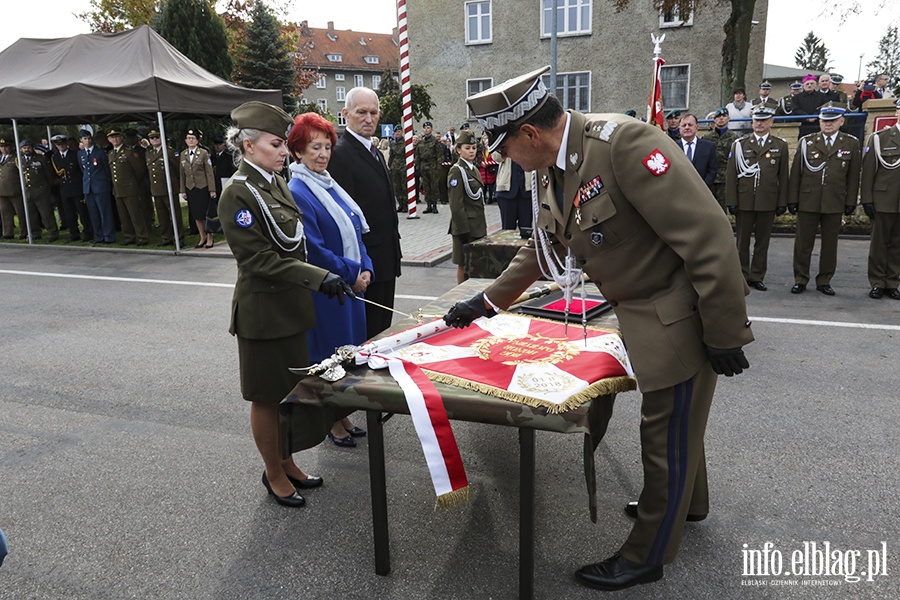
(335, 57)
(340, 92)
(357, 81)
(320, 82)
(676, 86)
(474, 86)
(376, 81)
(672, 18)
(338, 76)
(573, 89)
(372, 60)
(478, 22)
(323, 104)
(341, 121)
(573, 17)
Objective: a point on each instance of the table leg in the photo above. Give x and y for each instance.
(526, 513)
(378, 484)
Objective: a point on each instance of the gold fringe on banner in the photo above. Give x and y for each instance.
(608, 385)
(453, 499)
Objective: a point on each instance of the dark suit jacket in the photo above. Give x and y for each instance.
(70, 180)
(705, 160)
(367, 180)
(96, 176)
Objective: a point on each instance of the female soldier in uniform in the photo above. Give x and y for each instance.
(272, 307)
(198, 184)
(464, 189)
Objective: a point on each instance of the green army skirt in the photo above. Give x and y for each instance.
(264, 366)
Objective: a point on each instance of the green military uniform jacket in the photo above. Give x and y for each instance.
(768, 190)
(785, 105)
(836, 184)
(881, 183)
(9, 176)
(397, 156)
(128, 171)
(156, 170)
(38, 174)
(466, 201)
(723, 143)
(428, 154)
(272, 296)
(196, 174)
(651, 237)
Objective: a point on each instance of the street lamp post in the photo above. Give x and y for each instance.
(859, 71)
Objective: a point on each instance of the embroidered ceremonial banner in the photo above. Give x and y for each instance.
(525, 360)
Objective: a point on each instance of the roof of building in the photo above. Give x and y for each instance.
(353, 47)
(779, 72)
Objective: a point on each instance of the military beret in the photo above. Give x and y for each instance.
(796, 86)
(427, 124)
(262, 116)
(84, 133)
(465, 125)
(466, 137)
(763, 111)
(3, 142)
(24, 143)
(765, 85)
(59, 138)
(837, 79)
(673, 114)
(722, 112)
(113, 132)
(505, 106)
(630, 112)
(194, 132)
(153, 133)
(830, 111)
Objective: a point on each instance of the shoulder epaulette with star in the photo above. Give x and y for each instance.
(601, 130)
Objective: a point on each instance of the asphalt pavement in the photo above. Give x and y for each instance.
(127, 469)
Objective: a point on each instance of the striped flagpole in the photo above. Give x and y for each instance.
(406, 100)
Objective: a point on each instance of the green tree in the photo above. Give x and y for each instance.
(390, 100)
(888, 59)
(264, 62)
(110, 16)
(198, 32)
(812, 54)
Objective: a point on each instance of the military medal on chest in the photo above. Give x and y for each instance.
(589, 190)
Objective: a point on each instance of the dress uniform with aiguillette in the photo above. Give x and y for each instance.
(620, 202)
(880, 197)
(71, 190)
(756, 188)
(824, 188)
(38, 175)
(128, 170)
(466, 196)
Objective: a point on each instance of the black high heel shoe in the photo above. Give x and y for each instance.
(309, 482)
(295, 500)
(345, 442)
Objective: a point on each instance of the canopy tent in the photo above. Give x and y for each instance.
(134, 75)
(98, 78)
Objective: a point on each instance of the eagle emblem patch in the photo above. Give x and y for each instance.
(656, 162)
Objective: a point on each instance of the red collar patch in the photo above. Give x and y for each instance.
(656, 162)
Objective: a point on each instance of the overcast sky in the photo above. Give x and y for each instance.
(788, 23)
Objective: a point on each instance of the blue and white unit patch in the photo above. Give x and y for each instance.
(243, 218)
(454, 182)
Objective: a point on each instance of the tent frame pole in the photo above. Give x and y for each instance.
(165, 145)
(22, 182)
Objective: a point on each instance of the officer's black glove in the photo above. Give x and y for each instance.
(792, 208)
(849, 210)
(870, 210)
(463, 313)
(732, 209)
(727, 361)
(334, 285)
(780, 211)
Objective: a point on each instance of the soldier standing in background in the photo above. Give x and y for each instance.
(133, 141)
(159, 189)
(824, 188)
(446, 163)
(397, 166)
(71, 193)
(673, 120)
(128, 169)
(723, 138)
(38, 181)
(756, 190)
(880, 197)
(786, 103)
(428, 163)
(765, 88)
(11, 203)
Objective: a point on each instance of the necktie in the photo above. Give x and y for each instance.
(374, 151)
(828, 142)
(558, 187)
(690, 151)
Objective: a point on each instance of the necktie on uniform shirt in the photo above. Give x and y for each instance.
(828, 142)
(558, 186)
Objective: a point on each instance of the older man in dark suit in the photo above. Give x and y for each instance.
(359, 168)
(702, 153)
(71, 191)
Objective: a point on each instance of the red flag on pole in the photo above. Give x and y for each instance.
(655, 103)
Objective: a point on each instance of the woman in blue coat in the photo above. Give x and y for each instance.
(333, 225)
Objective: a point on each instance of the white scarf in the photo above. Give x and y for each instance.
(318, 185)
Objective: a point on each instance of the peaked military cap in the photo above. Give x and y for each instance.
(765, 85)
(24, 143)
(262, 116)
(502, 108)
(194, 132)
(3, 142)
(59, 138)
(84, 133)
(837, 79)
(153, 133)
(830, 111)
(796, 86)
(218, 140)
(720, 112)
(466, 137)
(763, 111)
(113, 132)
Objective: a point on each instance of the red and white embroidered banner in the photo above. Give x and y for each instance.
(525, 360)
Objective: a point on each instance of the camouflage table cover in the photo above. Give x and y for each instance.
(488, 256)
